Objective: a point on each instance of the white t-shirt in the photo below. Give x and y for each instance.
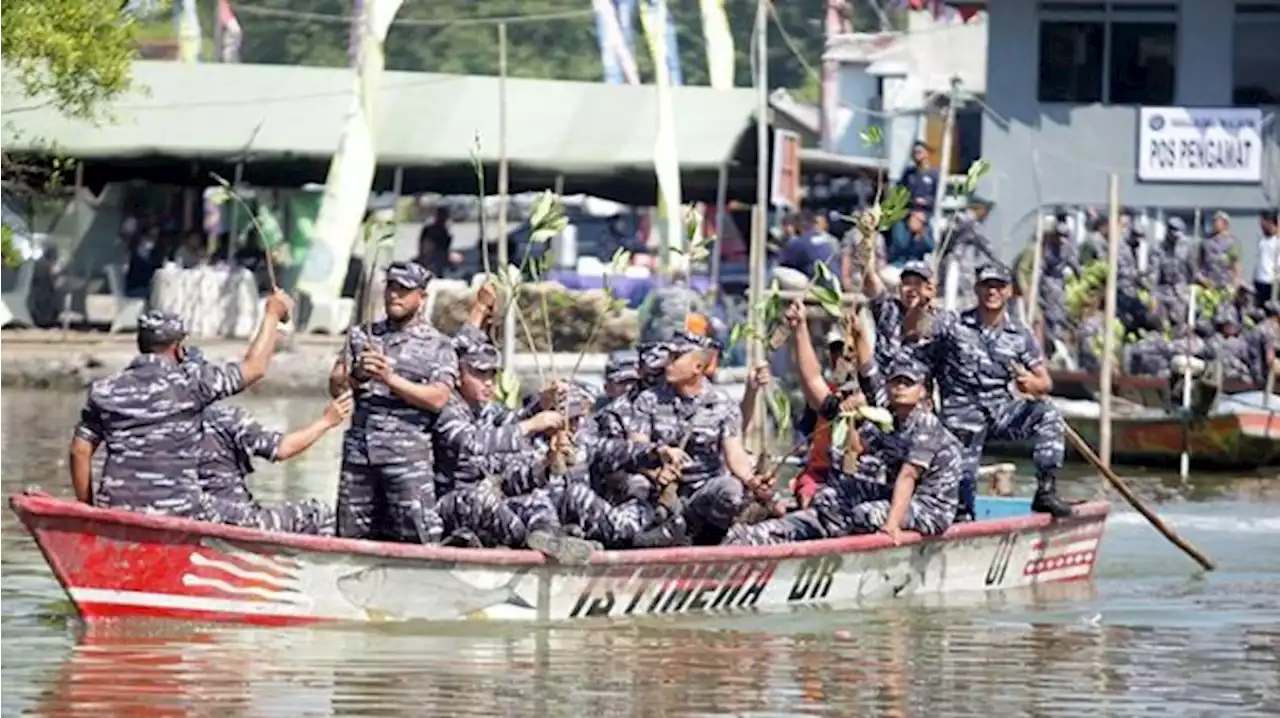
(1268, 257)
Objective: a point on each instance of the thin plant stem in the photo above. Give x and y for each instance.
(253, 219)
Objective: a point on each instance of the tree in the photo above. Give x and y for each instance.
(74, 55)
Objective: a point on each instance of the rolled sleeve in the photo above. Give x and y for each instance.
(90, 428)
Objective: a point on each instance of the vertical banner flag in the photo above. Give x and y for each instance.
(654, 20)
(346, 190)
(715, 29)
(227, 34)
(187, 25)
(615, 51)
(785, 187)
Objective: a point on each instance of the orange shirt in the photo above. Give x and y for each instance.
(820, 443)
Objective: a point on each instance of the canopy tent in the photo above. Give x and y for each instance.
(284, 122)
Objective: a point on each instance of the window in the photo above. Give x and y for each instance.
(1142, 60)
(1122, 53)
(1071, 61)
(1256, 55)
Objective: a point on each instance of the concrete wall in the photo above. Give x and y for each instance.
(1047, 154)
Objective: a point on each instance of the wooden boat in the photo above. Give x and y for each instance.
(1149, 391)
(1241, 434)
(118, 564)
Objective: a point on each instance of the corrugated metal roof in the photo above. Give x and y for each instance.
(220, 111)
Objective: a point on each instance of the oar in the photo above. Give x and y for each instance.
(1123, 489)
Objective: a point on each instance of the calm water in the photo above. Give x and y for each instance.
(1149, 637)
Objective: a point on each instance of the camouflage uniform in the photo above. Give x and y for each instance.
(1149, 356)
(975, 368)
(1233, 352)
(671, 307)
(1089, 338)
(148, 415)
(231, 439)
(472, 444)
(386, 453)
(711, 497)
(1217, 256)
(1130, 283)
(1059, 262)
(888, 313)
(1171, 266)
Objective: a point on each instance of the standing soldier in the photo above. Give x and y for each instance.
(1058, 264)
(231, 439)
(1219, 257)
(404, 370)
(979, 357)
(1171, 264)
(148, 415)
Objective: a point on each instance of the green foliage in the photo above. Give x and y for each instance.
(546, 218)
(894, 207)
(1085, 287)
(508, 389)
(76, 54)
(11, 257)
(563, 49)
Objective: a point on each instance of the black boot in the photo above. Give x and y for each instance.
(463, 538)
(1047, 501)
(671, 532)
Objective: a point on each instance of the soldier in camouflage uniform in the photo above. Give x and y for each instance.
(473, 434)
(1059, 263)
(897, 317)
(1151, 353)
(1218, 263)
(231, 439)
(689, 414)
(1170, 262)
(978, 357)
(404, 370)
(148, 415)
(1230, 348)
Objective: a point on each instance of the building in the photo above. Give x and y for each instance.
(1066, 85)
(893, 80)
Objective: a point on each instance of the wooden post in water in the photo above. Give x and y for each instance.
(1109, 319)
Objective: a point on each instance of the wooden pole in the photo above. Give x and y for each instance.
(1109, 318)
(1082, 447)
(760, 214)
(722, 193)
(504, 260)
(1185, 466)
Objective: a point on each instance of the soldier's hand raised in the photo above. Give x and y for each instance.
(279, 305)
(545, 421)
(339, 408)
(795, 315)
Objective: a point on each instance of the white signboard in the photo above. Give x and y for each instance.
(1197, 144)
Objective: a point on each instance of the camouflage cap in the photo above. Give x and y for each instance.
(159, 328)
(1225, 314)
(409, 275)
(654, 357)
(476, 353)
(905, 367)
(622, 366)
(917, 268)
(1204, 329)
(993, 273)
(684, 342)
(1176, 224)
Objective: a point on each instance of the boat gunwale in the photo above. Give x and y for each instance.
(33, 508)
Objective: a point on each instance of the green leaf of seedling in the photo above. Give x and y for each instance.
(828, 299)
(780, 404)
(872, 136)
(977, 171)
(737, 334)
(508, 389)
(620, 262)
(894, 207)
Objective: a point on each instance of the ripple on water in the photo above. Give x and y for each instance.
(1150, 636)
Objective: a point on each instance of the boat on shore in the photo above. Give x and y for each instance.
(1149, 391)
(118, 564)
(1242, 433)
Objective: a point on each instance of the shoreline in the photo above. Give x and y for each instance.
(68, 362)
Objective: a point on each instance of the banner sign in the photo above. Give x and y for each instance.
(1199, 144)
(786, 170)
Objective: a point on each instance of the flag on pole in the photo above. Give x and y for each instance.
(187, 27)
(655, 23)
(615, 51)
(227, 34)
(715, 29)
